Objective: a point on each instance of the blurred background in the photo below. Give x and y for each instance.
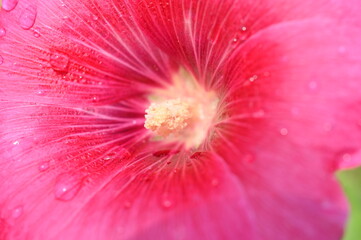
(351, 182)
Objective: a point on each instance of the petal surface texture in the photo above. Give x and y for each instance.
(76, 77)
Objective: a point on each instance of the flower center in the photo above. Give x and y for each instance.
(171, 117)
(183, 112)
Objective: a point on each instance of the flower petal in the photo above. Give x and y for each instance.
(72, 145)
(302, 83)
(78, 52)
(201, 35)
(293, 118)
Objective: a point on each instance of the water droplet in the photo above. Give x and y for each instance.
(127, 204)
(17, 212)
(95, 99)
(59, 61)
(67, 186)
(240, 36)
(346, 157)
(313, 86)
(215, 182)
(119, 154)
(349, 158)
(40, 92)
(259, 114)
(162, 153)
(9, 5)
(235, 40)
(253, 78)
(342, 49)
(284, 131)
(2, 32)
(266, 74)
(27, 18)
(44, 166)
(16, 142)
(196, 155)
(166, 202)
(1, 60)
(36, 33)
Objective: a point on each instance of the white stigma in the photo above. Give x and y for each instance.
(183, 112)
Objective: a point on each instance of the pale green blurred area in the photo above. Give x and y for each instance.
(351, 182)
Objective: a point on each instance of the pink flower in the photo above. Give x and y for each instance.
(251, 108)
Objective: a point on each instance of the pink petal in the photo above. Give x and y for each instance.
(76, 162)
(300, 122)
(88, 62)
(303, 87)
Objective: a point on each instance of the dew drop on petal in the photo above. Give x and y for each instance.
(42, 90)
(342, 50)
(59, 61)
(253, 78)
(28, 17)
(266, 74)
(215, 182)
(2, 32)
(44, 166)
(17, 212)
(235, 40)
(166, 202)
(119, 154)
(36, 33)
(196, 155)
(94, 99)
(161, 153)
(67, 186)
(9, 5)
(284, 131)
(259, 114)
(127, 204)
(313, 86)
(346, 157)
(350, 158)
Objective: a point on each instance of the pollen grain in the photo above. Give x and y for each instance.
(170, 118)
